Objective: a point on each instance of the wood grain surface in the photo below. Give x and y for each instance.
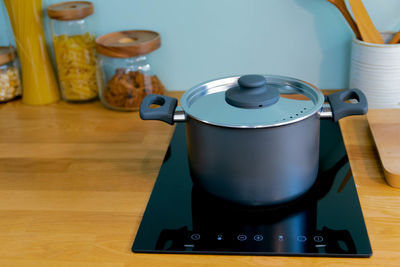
(75, 181)
(385, 128)
(341, 6)
(395, 39)
(364, 23)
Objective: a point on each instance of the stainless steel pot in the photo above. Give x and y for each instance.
(254, 140)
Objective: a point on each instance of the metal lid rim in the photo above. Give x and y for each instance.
(254, 127)
(318, 105)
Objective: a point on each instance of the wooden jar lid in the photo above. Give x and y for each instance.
(126, 44)
(7, 54)
(70, 10)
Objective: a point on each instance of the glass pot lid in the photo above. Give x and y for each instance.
(252, 101)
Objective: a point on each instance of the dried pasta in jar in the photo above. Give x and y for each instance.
(126, 89)
(76, 65)
(38, 78)
(127, 75)
(74, 49)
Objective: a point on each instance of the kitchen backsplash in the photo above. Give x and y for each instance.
(207, 39)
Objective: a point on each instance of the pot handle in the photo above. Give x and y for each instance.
(165, 112)
(340, 108)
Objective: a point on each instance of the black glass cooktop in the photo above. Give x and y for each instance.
(326, 221)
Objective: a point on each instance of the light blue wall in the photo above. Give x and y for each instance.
(202, 40)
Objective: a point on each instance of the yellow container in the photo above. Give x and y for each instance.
(38, 79)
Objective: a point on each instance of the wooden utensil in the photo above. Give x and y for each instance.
(367, 29)
(385, 128)
(395, 39)
(341, 5)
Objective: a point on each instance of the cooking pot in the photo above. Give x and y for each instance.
(254, 140)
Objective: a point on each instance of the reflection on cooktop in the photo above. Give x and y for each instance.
(326, 221)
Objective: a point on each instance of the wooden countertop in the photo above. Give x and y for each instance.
(75, 181)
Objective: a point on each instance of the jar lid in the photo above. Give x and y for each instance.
(126, 44)
(70, 10)
(252, 101)
(7, 54)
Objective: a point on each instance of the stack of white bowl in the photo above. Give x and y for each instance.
(375, 70)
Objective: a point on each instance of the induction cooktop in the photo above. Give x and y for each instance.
(326, 221)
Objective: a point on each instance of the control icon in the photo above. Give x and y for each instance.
(281, 238)
(258, 237)
(195, 237)
(318, 238)
(301, 238)
(241, 237)
(219, 237)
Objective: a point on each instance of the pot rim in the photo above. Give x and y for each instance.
(222, 84)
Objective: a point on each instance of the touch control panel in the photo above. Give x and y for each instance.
(197, 241)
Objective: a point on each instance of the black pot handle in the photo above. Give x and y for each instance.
(341, 109)
(163, 113)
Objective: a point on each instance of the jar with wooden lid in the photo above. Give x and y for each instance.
(74, 49)
(10, 83)
(126, 72)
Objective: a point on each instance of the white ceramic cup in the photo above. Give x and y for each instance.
(375, 70)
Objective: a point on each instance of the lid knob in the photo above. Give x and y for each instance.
(252, 92)
(252, 81)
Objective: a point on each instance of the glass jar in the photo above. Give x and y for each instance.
(10, 83)
(38, 78)
(127, 76)
(74, 49)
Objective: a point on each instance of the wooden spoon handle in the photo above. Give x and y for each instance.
(341, 5)
(395, 39)
(367, 28)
